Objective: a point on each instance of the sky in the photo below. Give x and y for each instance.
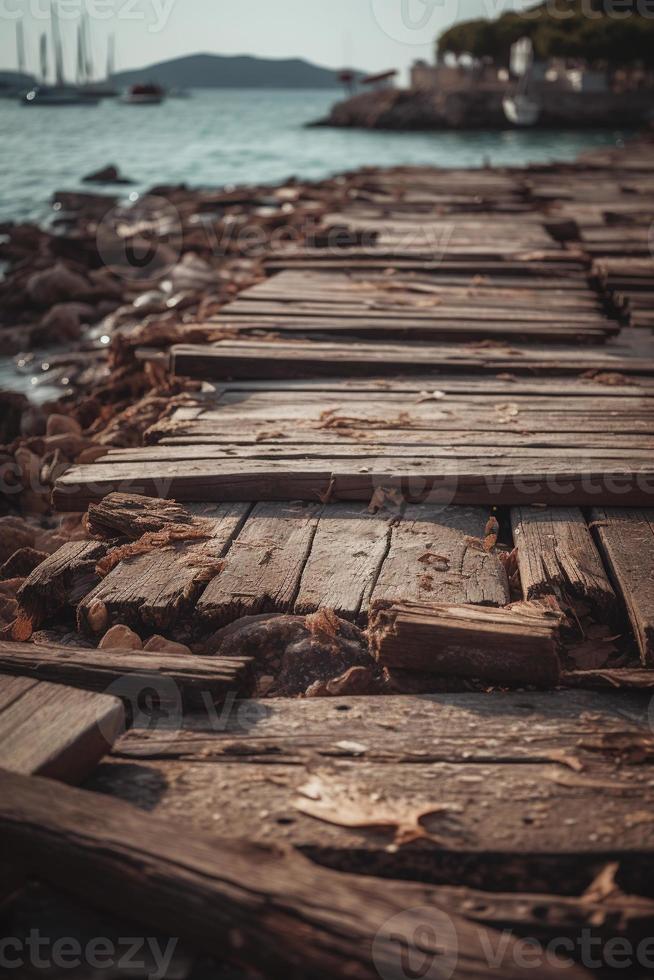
(368, 34)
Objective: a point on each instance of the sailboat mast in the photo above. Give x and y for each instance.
(81, 60)
(88, 48)
(111, 42)
(58, 53)
(20, 46)
(44, 58)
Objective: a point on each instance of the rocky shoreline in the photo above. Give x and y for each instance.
(418, 110)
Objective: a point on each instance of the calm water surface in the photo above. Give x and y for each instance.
(228, 136)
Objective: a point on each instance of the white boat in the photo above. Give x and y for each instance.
(521, 110)
(144, 95)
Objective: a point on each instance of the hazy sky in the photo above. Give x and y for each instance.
(370, 34)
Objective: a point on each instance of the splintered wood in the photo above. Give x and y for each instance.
(514, 646)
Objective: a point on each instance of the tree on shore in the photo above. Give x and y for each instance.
(603, 32)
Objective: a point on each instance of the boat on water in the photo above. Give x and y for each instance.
(61, 93)
(520, 107)
(521, 110)
(148, 94)
(58, 95)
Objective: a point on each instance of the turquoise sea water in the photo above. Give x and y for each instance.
(229, 136)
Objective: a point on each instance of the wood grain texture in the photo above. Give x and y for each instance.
(503, 762)
(53, 730)
(283, 359)
(557, 556)
(626, 538)
(264, 907)
(155, 590)
(513, 647)
(61, 580)
(177, 679)
(346, 555)
(264, 566)
(436, 554)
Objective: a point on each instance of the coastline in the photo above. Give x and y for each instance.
(424, 111)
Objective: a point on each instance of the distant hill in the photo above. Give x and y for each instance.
(239, 71)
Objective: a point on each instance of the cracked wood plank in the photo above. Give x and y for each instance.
(557, 556)
(155, 590)
(264, 565)
(436, 554)
(348, 549)
(626, 538)
(514, 647)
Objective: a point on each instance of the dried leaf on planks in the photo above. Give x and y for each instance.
(323, 798)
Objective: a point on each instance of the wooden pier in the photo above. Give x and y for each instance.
(405, 534)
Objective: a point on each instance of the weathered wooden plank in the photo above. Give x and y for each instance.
(231, 359)
(557, 556)
(61, 580)
(514, 646)
(264, 565)
(626, 538)
(348, 549)
(436, 554)
(153, 591)
(508, 480)
(177, 679)
(263, 907)
(520, 772)
(53, 730)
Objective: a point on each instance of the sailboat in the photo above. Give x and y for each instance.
(13, 91)
(61, 93)
(99, 90)
(520, 108)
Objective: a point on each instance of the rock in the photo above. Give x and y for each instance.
(29, 465)
(71, 446)
(12, 409)
(120, 638)
(55, 285)
(8, 609)
(159, 644)
(297, 651)
(97, 616)
(106, 175)
(14, 534)
(63, 322)
(21, 563)
(10, 587)
(62, 425)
